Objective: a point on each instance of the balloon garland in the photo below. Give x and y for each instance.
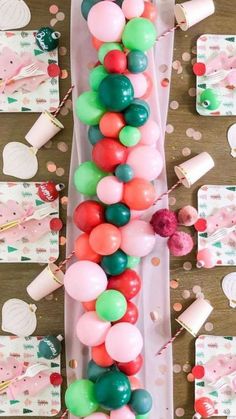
(113, 239)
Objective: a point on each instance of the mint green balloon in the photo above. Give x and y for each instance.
(111, 305)
(107, 47)
(146, 416)
(86, 178)
(129, 136)
(88, 108)
(96, 75)
(132, 262)
(139, 34)
(80, 398)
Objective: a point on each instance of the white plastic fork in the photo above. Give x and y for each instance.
(28, 71)
(39, 214)
(216, 77)
(31, 372)
(220, 234)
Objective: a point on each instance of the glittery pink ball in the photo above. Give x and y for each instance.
(164, 222)
(187, 216)
(180, 243)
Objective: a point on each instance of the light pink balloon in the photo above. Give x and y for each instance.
(150, 133)
(106, 21)
(146, 162)
(85, 281)
(132, 8)
(139, 83)
(137, 238)
(123, 413)
(91, 330)
(110, 190)
(124, 342)
(97, 415)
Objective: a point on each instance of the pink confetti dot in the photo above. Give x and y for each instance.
(176, 64)
(174, 284)
(60, 171)
(53, 21)
(172, 200)
(62, 146)
(180, 70)
(60, 16)
(180, 412)
(209, 327)
(64, 74)
(174, 105)
(196, 289)
(187, 368)
(64, 200)
(53, 9)
(192, 91)
(190, 132)
(62, 241)
(186, 56)
(62, 51)
(51, 167)
(163, 68)
(186, 151)
(190, 378)
(177, 307)
(177, 368)
(186, 294)
(169, 129)
(165, 82)
(197, 136)
(187, 266)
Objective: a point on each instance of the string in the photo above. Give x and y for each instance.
(170, 190)
(165, 346)
(170, 31)
(64, 262)
(63, 101)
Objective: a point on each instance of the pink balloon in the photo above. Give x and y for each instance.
(91, 330)
(123, 413)
(85, 281)
(132, 8)
(110, 190)
(150, 133)
(137, 238)
(97, 415)
(106, 21)
(135, 382)
(206, 259)
(124, 342)
(139, 83)
(146, 162)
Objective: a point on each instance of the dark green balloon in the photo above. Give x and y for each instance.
(137, 61)
(47, 39)
(137, 113)
(50, 347)
(86, 6)
(112, 390)
(141, 401)
(115, 264)
(119, 2)
(124, 172)
(94, 134)
(94, 371)
(117, 214)
(116, 92)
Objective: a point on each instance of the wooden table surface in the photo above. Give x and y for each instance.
(15, 278)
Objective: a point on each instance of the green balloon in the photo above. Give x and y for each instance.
(112, 390)
(137, 113)
(94, 371)
(111, 305)
(142, 416)
(117, 214)
(47, 39)
(129, 136)
(107, 47)
(116, 92)
(94, 134)
(88, 108)
(86, 6)
(139, 33)
(141, 401)
(210, 100)
(96, 75)
(132, 262)
(137, 61)
(115, 264)
(80, 398)
(50, 347)
(86, 178)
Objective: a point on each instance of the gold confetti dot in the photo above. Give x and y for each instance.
(49, 297)
(209, 327)
(187, 266)
(196, 289)
(180, 412)
(174, 105)
(176, 64)
(62, 241)
(197, 136)
(60, 16)
(62, 146)
(192, 91)
(48, 144)
(177, 368)
(51, 167)
(53, 22)
(62, 51)
(64, 200)
(64, 111)
(172, 200)
(190, 132)
(73, 363)
(60, 171)
(186, 151)
(169, 129)
(187, 367)
(64, 74)
(186, 56)
(190, 377)
(174, 284)
(186, 294)
(155, 261)
(177, 307)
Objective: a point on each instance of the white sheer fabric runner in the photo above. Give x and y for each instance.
(157, 371)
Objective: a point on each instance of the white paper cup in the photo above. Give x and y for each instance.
(194, 168)
(194, 11)
(48, 281)
(193, 318)
(45, 128)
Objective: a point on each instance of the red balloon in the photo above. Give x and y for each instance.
(139, 194)
(111, 123)
(150, 11)
(89, 305)
(88, 215)
(131, 315)
(109, 153)
(115, 61)
(132, 367)
(205, 407)
(101, 357)
(83, 250)
(105, 239)
(128, 283)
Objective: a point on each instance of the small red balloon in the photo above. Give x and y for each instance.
(109, 153)
(56, 224)
(201, 225)
(115, 61)
(101, 357)
(131, 315)
(131, 368)
(150, 11)
(128, 283)
(88, 215)
(54, 70)
(56, 379)
(83, 250)
(205, 407)
(199, 69)
(111, 123)
(198, 372)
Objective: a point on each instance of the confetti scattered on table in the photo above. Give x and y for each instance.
(177, 368)
(196, 289)
(174, 105)
(186, 294)
(177, 307)
(51, 167)
(53, 9)
(174, 284)
(186, 56)
(155, 261)
(186, 151)
(209, 327)
(172, 200)
(169, 129)
(187, 266)
(180, 412)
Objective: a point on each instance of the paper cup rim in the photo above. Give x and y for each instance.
(181, 174)
(181, 16)
(186, 328)
(53, 119)
(52, 272)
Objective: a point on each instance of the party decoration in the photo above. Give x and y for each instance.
(18, 317)
(80, 398)
(117, 214)
(141, 401)
(110, 190)
(116, 92)
(206, 258)
(115, 61)
(111, 305)
(146, 162)
(180, 243)
(105, 239)
(88, 107)
(89, 305)
(229, 288)
(128, 283)
(27, 162)
(115, 264)
(129, 136)
(111, 123)
(137, 113)
(186, 16)
(139, 83)
(124, 342)
(94, 371)
(85, 280)
(124, 172)
(88, 215)
(96, 75)
(210, 99)
(50, 347)
(47, 39)
(91, 330)
(14, 14)
(137, 238)
(105, 48)
(139, 194)
(139, 34)
(94, 134)
(83, 250)
(97, 415)
(86, 6)
(205, 407)
(122, 413)
(101, 357)
(150, 11)
(104, 29)
(150, 132)
(132, 9)
(109, 153)
(49, 191)
(231, 139)
(194, 169)
(132, 262)
(132, 367)
(131, 314)
(187, 216)
(46, 282)
(193, 318)
(137, 61)
(112, 390)
(164, 222)
(86, 178)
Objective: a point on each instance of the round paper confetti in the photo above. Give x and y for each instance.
(200, 295)
(199, 69)
(180, 412)
(48, 144)
(53, 9)
(176, 368)
(64, 111)
(53, 22)
(49, 297)
(163, 68)
(60, 171)
(169, 129)
(64, 200)
(73, 363)
(154, 316)
(60, 16)
(54, 70)
(192, 91)
(197, 136)
(62, 146)
(190, 132)
(200, 225)
(177, 307)
(174, 284)
(193, 61)
(209, 327)
(198, 372)
(155, 261)
(186, 368)
(194, 50)
(172, 200)
(186, 151)
(68, 104)
(51, 167)
(187, 266)
(180, 70)
(186, 294)
(176, 64)
(190, 377)
(64, 74)
(196, 289)
(62, 241)
(165, 82)
(62, 51)
(174, 105)
(186, 56)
